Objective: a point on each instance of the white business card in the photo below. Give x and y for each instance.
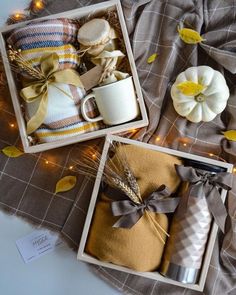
(37, 244)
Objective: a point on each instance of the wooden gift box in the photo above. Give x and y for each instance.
(142, 120)
(82, 255)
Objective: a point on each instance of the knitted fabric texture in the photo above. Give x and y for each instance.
(49, 135)
(45, 37)
(63, 118)
(139, 247)
(68, 57)
(47, 33)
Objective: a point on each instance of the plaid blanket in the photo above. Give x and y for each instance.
(46, 33)
(45, 37)
(68, 58)
(27, 186)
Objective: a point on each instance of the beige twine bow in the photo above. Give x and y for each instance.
(109, 61)
(108, 44)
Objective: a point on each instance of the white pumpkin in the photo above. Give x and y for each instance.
(209, 102)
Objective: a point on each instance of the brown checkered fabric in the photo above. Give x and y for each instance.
(27, 183)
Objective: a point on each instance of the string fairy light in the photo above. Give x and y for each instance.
(35, 7)
(46, 162)
(186, 141)
(16, 17)
(12, 125)
(39, 4)
(157, 138)
(94, 156)
(71, 167)
(132, 131)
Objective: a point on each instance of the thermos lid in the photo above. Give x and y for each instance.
(204, 166)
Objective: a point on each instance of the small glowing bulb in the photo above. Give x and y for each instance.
(158, 138)
(46, 162)
(39, 4)
(18, 16)
(71, 167)
(94, 156)
(12, 125)
(184, 144)
(234, 170)
(211, 155)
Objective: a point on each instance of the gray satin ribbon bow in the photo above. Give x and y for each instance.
(131, 212)
(204, 184)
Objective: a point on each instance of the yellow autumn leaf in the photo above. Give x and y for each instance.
(190, 36)
(152, 58)
(190, 88)
(230, 135)
(12, 152)
(65, 184)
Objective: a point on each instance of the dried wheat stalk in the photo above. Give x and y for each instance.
(22, 64)
(128, 173)
(132, 182)
(126, 182)
(125, 189)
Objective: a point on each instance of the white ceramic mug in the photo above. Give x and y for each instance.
(116, 102)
